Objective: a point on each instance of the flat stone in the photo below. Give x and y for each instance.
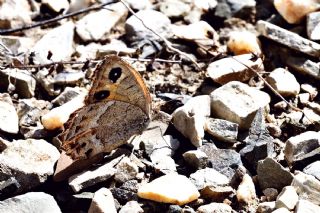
(208, 177)
(215, 207)
(246, 192)
(307, 187)
(9, 121)
(131, 207)
(313, 25)
(266, 207)
(272, 175)
(234, 68)
(196, 159)
(58, 41)
(102, 201)
(313, 169)
(284, 82)
(304, 65)
(93, 27)
(222, 130)
(238, 103)
(304, 206)
(289, 39)
(30, 161)
(300, 148)
(190, 118)
(30, 202)
(244, 42)
(287, 198)
(170, 188)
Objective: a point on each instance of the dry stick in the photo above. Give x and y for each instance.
(167, 43)
(49, 21)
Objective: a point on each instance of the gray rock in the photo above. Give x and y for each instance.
(281, 210)
(288, 198)
(313, 25)
(222, 130)
(289, 39)
(30, 161)
(215, 207)
(270, 193)
(217, 193)
(190, 118)
(67, 95)
(272, 175)
(313, 169)
(304, 206)
(174, 8)
(131, 207)
(24, 83)
(233, 69)
(229, 8)
(238, 103)
(208, 177)
(102, 201)
(32, 202)
(139, 5)
(224, 161)
(58, 41)
(196, 159)
(304, 66)
(266, 207)
(126, 170)
(30, 110)
(303, 148)
(9, 121)
(68, 78)
(307, 187)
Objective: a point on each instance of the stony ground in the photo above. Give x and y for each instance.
(236, 113)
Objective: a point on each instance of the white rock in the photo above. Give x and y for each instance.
(190, 118)
(29, 161)
(300, 145)
(59, 115)
(126, 170)
(208, 177)
(243, 42)
(139, 5)
(221, 129)
(238, 103)
(96, 25)
(76, 5)
(246, 192)
(102, 201)
(170, 188)
(131, 207)
(174, 8)
(287, 198)
(233, 69)
(15, 13)
(293, 11)
(58, 41)
(307, 187)
(304, 206)
(57, 6)
(284, 82)
(313, 169)
(9, 121)
(215, 207)
(205, 4)
(310, 89)
(30, 202)
(313, 26)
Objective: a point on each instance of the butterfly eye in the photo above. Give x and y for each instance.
(115, 74)
(101, 95)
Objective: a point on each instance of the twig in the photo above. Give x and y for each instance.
(49, 21)
(167, 43)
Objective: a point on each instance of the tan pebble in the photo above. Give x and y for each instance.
(242, 42)
(246, 192)
(171, 188)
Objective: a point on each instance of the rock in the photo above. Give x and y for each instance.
(8, 187)
(233, 69)
(270, 193)
(304, 98)
(288, 198)
(313, 26)
(215, 207)
(131, 207)
(217, 193)
(86, 179)
(196, 159)
(29, 161)
(170, 188)
(15, 13)
(102, 201)
(281, 210)
(313, 169)
(266, 207)
(309, 89)
(30, 202)
(58, 42)
(139, 5)
(284, 82)
(80, 201)
(243, 42)
(68, 78)
(307, 187)
(174, 209)
(59, 115)
(123, 195)
(87, 28)
(24, 83)
(272, 175)
(116, 47)
(9, 121)
(289, 39)
(304, 65)
(68, 94)
(58, 6)
(208, 177)
(174, 8)
(222, 130)
(164, 164)
(293, 11)
(302, 148)
(238, 103)
(230, 8)
(304, 206)
(126, 170)
(224, 161)
(246, 192)
(190, 118)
